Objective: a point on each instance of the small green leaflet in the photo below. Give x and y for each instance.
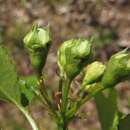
(27, 85)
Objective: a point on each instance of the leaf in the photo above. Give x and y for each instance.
(12, 89)
(107, 110)
(8, 78)
(9, 85)
(124, 124)
(27, 85)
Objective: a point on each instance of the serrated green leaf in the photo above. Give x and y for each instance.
(8, 78)
(12, 89)
(9, 86)
(107, 110)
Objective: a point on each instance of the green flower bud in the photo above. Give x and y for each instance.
(118, 69)
(93, 73)
(37, 42)
(73, 55)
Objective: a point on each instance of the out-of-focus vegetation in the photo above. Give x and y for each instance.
(107, 20)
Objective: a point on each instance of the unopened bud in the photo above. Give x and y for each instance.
(118, 69)
(93, 73)
(73, 55)
(37, 42)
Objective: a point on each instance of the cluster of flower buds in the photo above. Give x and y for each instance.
(37, 42)
(73, 55)
(118, 69)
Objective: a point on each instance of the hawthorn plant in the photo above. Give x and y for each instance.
(74, 56)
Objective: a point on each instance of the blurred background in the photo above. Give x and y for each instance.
(107, 20)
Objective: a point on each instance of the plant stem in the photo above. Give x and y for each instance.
(92, 91)
(27, 115)
(64, 86)
(43, 95)
(65, 92)
(61, 128)
(29, 118)
(62, 125)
